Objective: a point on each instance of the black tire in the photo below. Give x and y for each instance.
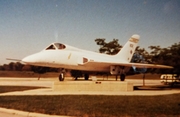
(86, 76)
(122, 77)
(76, 78)
(61, 77)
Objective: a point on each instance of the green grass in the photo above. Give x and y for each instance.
(22, 74)
(4, 89)
(97, 105)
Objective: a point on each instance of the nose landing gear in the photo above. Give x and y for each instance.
(61, 77)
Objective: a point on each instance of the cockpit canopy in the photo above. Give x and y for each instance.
(56, 46)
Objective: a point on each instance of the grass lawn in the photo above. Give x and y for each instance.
(4, 89)
(30, 74)
(97, 105)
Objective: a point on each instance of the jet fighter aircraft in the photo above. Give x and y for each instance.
(63, 56)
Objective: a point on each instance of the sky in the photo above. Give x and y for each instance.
(28, 26)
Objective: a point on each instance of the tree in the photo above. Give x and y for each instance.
(167, 56)
(140, 56)
(111, 48)
(18, 66)
(174, 60)
(12, 66)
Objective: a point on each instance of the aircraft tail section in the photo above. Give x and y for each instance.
(126, 53)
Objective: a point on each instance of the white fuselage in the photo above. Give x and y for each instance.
(64, 56)
(69, 59)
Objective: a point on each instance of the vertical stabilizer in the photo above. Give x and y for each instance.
(126, 53)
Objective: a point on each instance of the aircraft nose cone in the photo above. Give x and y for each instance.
(29, 59)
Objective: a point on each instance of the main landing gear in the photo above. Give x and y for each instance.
(78, 74)
(123, 73)
(119, 71)
(86, 76)
(122, 77)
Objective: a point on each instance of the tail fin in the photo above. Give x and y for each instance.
(126, 53)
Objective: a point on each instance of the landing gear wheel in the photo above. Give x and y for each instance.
(122, 77)
(76, 78)
(61, 77)
(86, 76)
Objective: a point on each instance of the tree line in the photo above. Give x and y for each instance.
(157, 55)
(17, 66)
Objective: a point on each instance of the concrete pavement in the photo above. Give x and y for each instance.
(49, 90)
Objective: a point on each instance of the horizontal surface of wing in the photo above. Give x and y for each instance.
(137, 65)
